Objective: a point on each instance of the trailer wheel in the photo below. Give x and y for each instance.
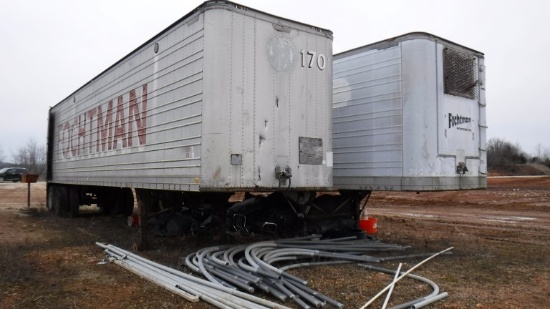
(63, 205)
(51, 203)
(74, 202)
(58, 200)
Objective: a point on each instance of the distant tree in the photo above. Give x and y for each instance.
(542, 155)
(539, 150)
(500, 151)
(2, 157)
(31, 156)
(545, 157)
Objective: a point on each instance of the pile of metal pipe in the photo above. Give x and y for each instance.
(234, 272)
(251, 267)
(185, 285)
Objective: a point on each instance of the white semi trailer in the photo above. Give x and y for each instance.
(229, 99)
(409, 115)
(226, 99)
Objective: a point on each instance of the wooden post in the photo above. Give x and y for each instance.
(28, 179)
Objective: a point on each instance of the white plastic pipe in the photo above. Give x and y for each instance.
(392, 285)
(403, 276)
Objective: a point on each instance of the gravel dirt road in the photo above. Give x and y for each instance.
(501, 258)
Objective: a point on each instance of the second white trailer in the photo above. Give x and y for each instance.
(409, 114)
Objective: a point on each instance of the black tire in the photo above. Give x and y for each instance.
(58, 201)
(74, 202)
(63, 201)
(51, 203)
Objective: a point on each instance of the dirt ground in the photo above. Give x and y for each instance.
(501, 255)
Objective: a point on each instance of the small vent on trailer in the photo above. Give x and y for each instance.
(461, 74)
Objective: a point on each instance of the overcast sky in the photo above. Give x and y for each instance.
(50, 48)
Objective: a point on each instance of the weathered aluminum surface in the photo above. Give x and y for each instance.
(394, 126)
(214, 102)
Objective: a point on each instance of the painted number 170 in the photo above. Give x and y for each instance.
(311, 58)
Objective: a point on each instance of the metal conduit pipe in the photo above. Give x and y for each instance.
(203, 269)
(215, 259)
(197, 281)
(233, 252)
(262, 286)
(336, 243)
(273, 290)
(140, 270)
(284, 252)
(242, 265)
(349, 257)
(306, 296)
(244, 302)
(247, 251)
(230, 301)
(430, 300)
(399, 257)
(259, 258)
(271, 268)
(228, 272)
(227, 299)
(268, 274)
(258, 270)
(282, 288)
(261, 251)
(190, 264)
(279, 259)
(321, 296)
(294, 278)
(342, 248)
(302, 238)
(346, 238)
(287, 267)
(186, 286)
(243, 274)
(170, 286)
(290, 295)
(235, 281)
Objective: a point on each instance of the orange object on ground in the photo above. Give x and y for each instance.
(369, 225)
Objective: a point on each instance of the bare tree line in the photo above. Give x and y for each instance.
(501, 151)
(31, 156)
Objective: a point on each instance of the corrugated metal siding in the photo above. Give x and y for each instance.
(395, 128)
(212, 91)
(171, 155)
(367, 115)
